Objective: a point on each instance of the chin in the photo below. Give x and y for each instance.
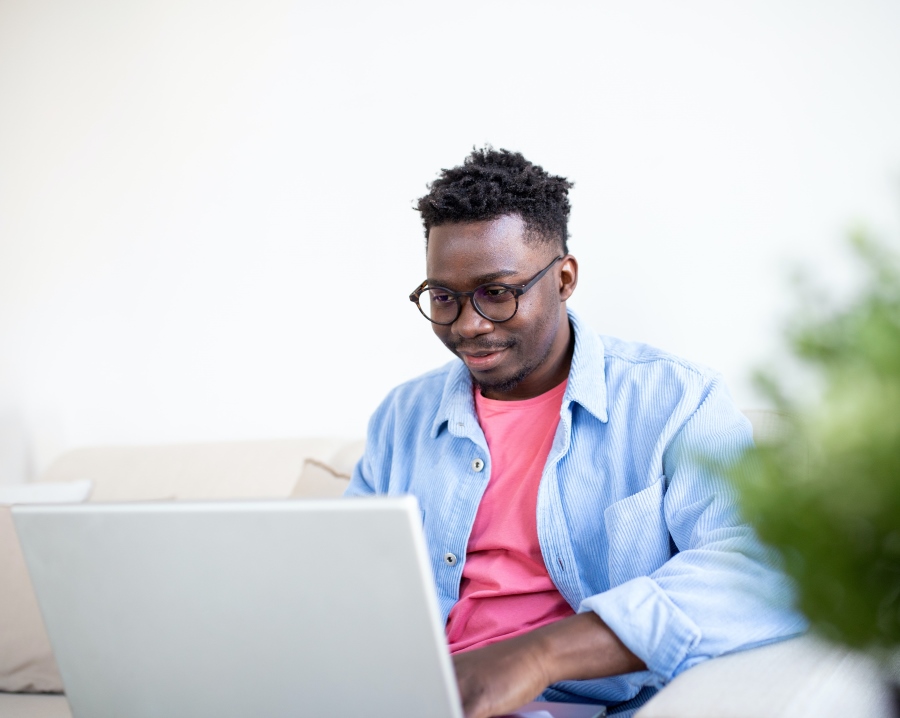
(500, 384)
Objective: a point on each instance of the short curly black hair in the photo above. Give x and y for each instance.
(491, 183)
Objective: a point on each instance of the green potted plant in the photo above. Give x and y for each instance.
(826, 495)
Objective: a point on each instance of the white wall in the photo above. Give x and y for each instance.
(205, 223)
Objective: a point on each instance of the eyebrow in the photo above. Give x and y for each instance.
(483, 279)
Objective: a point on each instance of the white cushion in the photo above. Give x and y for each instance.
(320, 481)
(17, 705)
(219, 470)
(802, 677)
(26, 659)
(65, 492)
(767, 425)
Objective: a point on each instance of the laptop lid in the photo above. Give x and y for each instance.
(261, 608)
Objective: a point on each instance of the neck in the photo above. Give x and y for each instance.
(551, 372)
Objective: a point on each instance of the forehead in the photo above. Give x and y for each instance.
(467, 252)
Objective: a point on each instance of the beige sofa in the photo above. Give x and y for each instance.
(799, 677)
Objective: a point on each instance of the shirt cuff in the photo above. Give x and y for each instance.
(648, 623)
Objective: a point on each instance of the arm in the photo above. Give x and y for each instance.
(505, 675)
(719, 592)
(370, 475)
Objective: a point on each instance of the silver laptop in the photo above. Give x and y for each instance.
(244, 609)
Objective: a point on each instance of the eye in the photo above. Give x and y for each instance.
(441, 297)
(495, 293)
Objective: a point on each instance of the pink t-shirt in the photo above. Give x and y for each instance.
(505, 588)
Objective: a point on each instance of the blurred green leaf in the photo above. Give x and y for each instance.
(826, 495)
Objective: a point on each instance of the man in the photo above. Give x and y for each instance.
(583, 547)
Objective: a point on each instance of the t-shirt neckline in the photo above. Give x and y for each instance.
(554, 394)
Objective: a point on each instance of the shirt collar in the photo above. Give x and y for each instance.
(587, 385)
(587, 377)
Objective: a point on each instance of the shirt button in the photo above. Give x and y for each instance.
(450, 559)
(477, 465)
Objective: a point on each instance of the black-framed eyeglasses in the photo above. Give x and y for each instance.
(495, 301)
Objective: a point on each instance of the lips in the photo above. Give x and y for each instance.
(483, 360)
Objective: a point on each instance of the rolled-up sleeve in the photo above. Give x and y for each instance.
(720, 590)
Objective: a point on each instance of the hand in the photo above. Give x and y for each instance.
(501, 677)
(506, 675)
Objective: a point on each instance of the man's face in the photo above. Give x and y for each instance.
(521, 357)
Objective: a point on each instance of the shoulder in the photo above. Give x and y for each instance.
(623, 354)
(684, 406)
(622, 364)
(649, 387)
(635, 384)
(627, 362)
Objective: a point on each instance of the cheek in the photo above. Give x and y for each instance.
(542, 332)
(441, 332)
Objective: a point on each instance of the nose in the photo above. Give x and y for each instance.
(470, 324)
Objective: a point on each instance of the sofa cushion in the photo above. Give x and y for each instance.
(319, 480)
(802, 677)
(217, 470)
(346, 457)
(34, 706)
(26, 659)
(45, 493)
(767, 425)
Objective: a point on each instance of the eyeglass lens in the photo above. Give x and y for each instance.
(494, 301)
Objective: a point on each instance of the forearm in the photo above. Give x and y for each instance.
(582, 647)
(508, 674)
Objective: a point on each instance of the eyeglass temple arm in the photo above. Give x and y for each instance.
(414, 295)
(536, 277)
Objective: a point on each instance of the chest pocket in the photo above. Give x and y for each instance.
(637, 533)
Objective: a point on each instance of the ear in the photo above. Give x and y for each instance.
(568, 277)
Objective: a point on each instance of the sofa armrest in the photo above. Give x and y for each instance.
(802, 677)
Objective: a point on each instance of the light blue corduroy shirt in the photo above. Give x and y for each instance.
(633, 524)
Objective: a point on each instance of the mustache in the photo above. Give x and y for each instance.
(474, 348)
